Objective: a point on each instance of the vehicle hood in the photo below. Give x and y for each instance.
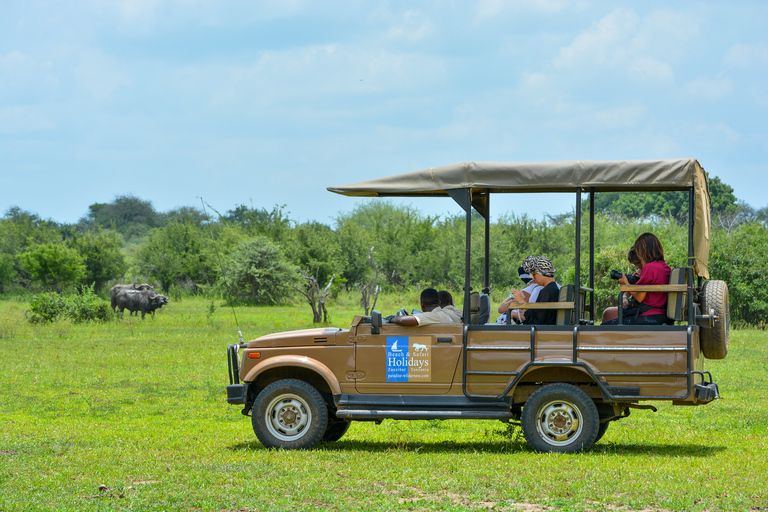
(304, 337)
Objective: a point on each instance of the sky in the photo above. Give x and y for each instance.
(267, 103)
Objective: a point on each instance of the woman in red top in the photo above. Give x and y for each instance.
(653, 270)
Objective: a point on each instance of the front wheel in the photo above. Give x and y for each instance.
(560, 418)
(289, 414)
(336, 431)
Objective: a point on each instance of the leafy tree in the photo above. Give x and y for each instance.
(740, 258)
(314, 246)
(177, 254)
(129, 215)
(7, 271)
(184, 214)
(663, 204)
(257, 272)
(275, 224)
(103, 258)
(54, 266)
(20, 229)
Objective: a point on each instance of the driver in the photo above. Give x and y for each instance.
(433, 313)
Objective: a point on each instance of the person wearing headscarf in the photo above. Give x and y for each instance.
(542, 272)
(530, 293)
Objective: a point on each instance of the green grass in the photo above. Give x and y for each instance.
(139, 408)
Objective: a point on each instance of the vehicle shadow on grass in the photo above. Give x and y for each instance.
(660, 450)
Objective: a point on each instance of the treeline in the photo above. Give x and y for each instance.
(253, 255)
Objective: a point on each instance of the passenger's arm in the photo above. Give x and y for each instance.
(639, 296)
(407, 320)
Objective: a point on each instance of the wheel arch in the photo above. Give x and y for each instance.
(303, 368)
(544, 373)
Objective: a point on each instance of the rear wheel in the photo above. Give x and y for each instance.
(336, 431)
(714, 340)
(560, 418)
(289, 414)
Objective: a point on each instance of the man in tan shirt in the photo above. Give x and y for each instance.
(433, 313)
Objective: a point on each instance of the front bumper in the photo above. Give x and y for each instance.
(236, 391)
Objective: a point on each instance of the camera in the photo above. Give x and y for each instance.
(632, 278)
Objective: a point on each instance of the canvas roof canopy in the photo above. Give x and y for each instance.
(564, 176)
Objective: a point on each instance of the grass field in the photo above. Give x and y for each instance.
(132, 415)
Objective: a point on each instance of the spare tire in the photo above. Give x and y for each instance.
(714, 340)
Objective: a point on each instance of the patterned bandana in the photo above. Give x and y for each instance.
(540, 265)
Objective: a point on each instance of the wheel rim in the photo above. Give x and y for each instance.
(559, 423)
(287, 417)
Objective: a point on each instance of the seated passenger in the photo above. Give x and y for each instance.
(543, 273)
(446, 304)
(530, 292)
(626, 299)
(651, 306)
(433, 313)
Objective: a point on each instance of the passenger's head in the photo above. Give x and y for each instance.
(429, 299)
(540, 265)
(523, 275)
(648, 248)
(632, 257)
(445, 298)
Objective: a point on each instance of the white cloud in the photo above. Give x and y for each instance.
(745, 56)
(490, 9)
(16, 119)
(12, 59)
(708, 89)
(414, 27)
(643, 48)
(604, 44)
(100, 75)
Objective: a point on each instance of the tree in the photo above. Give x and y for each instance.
(184, 214)
(256, 272)
(314, 246)
(663, 204)
(54, 266)
(129, 215)
(275, 225)
(315, 297)
(103, 258)
(177, 255)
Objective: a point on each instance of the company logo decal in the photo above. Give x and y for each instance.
(409, 359)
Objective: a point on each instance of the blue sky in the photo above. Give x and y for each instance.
(266, 103)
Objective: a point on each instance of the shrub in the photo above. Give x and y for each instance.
(256, 272)
(47, 307)
(85, 307)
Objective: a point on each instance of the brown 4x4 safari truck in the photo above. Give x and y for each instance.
(563, 383)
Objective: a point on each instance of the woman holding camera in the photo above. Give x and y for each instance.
(651, 306)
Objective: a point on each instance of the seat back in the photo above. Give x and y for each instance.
(474, 308)
(565, 316)
(485, 309)
(677, 302)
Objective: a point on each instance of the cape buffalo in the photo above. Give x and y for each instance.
(146, 301)
(116, 289)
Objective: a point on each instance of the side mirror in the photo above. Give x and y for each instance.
(375, 321)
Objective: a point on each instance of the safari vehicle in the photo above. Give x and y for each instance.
(564, 384)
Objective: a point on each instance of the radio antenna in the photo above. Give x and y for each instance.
(221, 268)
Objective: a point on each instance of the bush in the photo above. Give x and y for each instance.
(256, 272)
(86, 307)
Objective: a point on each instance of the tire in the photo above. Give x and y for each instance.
(714, 340)
(560, 418)
(336, 431)
(601, 430)
(289, 414)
